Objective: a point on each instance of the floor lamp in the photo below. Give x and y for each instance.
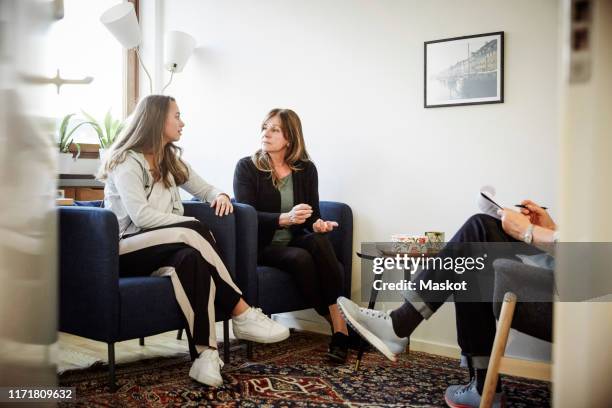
(121, 21)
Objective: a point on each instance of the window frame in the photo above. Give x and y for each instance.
(131, 75)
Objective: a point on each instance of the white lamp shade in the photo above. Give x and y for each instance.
(122, 23)
(178, 47)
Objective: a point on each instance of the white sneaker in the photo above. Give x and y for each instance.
(374, 326)
(255, 326)
(207, 368)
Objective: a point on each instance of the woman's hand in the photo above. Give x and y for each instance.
(514, 223)
(322, 227)
(222, 205)
(298, 215)
(537, 215)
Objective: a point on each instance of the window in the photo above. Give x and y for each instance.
(80, 46)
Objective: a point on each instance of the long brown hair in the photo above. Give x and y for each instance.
(144, 134)
(296, 151)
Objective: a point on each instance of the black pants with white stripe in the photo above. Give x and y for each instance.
(188, 254)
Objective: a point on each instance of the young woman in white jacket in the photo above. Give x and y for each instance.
(142, 172)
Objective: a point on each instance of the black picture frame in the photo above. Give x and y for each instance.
(447, 83)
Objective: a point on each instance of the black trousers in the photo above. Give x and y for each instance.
(475, 320)
(311, 259)
(188, 254)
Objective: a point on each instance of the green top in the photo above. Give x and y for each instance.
(282, 236)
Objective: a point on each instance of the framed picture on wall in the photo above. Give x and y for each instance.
(465, 70)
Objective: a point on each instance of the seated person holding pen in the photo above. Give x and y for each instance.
(529, 229)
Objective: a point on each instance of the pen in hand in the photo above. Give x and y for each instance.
(500, 207)
(524, 206)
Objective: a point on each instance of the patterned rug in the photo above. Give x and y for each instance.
(293, 373)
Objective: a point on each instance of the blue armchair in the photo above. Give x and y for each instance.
(98, 304)
(272, 289)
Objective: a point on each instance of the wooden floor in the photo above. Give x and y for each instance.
(77, 352)
(73, 352)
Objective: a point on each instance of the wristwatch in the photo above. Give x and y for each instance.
(528, 236)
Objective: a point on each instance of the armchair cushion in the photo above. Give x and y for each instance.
(287, 296)
(533, 288)
(147, 306)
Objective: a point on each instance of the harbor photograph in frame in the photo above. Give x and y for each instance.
(465, 70)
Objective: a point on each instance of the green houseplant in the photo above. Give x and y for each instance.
(67, 162)
(66, 137)
(107, 129)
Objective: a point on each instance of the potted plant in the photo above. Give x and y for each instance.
(107, 130)
(65, 140)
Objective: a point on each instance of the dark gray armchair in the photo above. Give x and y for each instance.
(523, 300)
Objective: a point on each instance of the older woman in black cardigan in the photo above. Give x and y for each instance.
(281, 183)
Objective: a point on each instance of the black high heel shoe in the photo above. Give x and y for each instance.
(338, 348)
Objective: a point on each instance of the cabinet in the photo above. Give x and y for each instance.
(83, 193)
(80, 187)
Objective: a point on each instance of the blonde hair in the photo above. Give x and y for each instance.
(144, 134)
(296, 151)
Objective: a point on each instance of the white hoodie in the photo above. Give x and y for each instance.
(140, 204)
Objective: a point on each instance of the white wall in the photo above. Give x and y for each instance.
(582, 372)
(353, 71)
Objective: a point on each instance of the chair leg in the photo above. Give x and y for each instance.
(226, 343)
(112, 384)
(179, 335)
(141, 341)
(249, 350)
(499, 347)
(193, 352)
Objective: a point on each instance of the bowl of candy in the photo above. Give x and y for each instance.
(409, 244)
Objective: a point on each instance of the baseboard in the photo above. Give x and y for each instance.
(432, 347)
(537, 370)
